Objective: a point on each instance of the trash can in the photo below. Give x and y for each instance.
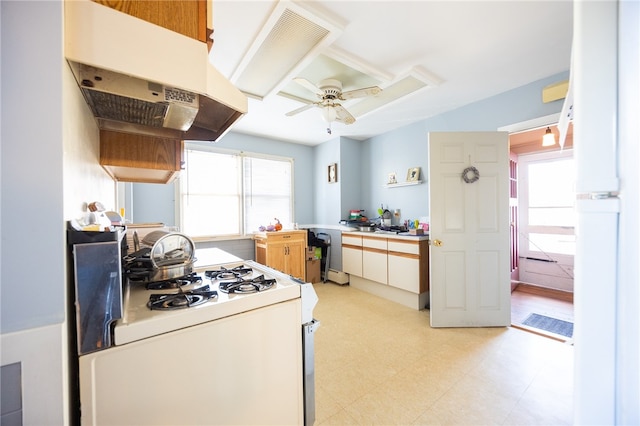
(325, 244)
(322, 240)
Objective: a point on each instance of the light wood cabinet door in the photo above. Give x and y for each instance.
(187, 17)
(295, 261)
(276, 253)
(130, 157)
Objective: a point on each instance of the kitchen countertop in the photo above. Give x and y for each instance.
(213, 256)
(380, 234)
(341, 228)
(387, 234)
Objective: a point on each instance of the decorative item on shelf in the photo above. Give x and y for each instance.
(470, 174)
(392, 180)
(332, 173)
(413, 174)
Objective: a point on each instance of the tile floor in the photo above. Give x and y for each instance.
(379, 363)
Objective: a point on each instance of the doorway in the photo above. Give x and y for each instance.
(543, 239)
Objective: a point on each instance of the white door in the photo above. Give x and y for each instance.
(469, 229)
(546, 187)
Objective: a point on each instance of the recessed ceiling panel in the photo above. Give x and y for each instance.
(291, 35)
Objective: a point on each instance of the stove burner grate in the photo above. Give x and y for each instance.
(192, 278)
(181, 300)
(245, 286)
(225, 274)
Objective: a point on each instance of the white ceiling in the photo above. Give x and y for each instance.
(463, 51)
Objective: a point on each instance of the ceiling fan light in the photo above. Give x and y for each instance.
(549, 138)
(328, 113)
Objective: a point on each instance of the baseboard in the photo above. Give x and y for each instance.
(543, 333)
(552, 293)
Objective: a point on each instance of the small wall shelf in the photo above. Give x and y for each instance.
(395, 185)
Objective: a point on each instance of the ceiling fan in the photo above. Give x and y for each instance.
(329, 93)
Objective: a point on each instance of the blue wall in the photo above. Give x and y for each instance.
(407, 147)
(363, 166)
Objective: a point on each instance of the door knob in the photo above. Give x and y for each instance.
(437, 243)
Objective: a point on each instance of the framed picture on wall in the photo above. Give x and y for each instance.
(413, 174)
(332, 173)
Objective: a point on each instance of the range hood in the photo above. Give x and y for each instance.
(140, 78)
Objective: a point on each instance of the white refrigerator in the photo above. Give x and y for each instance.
(604, 85)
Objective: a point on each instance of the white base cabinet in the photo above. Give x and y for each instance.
(408, 265)
(352, 255)
(374, 259)
(393, 267)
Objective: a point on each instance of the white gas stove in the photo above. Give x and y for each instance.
(253, 343)
(140, 321)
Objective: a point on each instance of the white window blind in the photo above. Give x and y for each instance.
(229, 194)
(267, 194)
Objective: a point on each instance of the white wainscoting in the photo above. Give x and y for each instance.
(42, 353)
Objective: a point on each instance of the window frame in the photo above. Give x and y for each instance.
(241, 155)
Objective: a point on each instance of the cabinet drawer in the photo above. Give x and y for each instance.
(282, 236)
(404, 247)
(352, 240)
(377, 243)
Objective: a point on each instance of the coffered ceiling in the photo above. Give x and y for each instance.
(428, 57)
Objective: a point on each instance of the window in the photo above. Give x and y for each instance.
(233, 194)
(549, 194)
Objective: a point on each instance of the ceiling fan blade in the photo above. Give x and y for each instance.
(360, 93)
(308, 85)
(342, 115)
(299, 110)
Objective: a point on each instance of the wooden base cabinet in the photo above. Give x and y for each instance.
(284, 251)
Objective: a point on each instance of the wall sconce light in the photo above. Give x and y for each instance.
(549, 138)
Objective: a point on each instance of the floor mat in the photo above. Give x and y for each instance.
(553, 325)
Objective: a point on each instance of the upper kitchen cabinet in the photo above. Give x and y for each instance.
(187, 17)
(137, 158)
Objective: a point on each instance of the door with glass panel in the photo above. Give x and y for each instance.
(547, 219)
